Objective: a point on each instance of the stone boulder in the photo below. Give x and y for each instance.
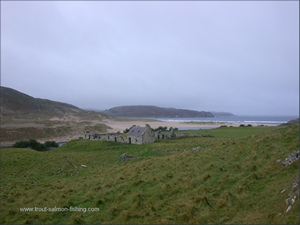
(125, 157)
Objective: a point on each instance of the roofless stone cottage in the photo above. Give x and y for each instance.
(136, 135)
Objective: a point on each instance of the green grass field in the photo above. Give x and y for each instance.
(232, 177)
(230, 132)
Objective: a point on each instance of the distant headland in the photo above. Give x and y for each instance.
(148, 111)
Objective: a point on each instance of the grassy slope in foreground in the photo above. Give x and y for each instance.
(229, 180)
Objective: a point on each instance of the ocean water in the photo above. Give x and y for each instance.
(272, 120)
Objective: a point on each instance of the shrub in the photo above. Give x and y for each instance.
(21, 144)
(125, 131)
(161, 128)
(50, 144)
(128, 129)
(34, 144)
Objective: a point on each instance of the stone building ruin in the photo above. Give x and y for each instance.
(136, 135)
(169, 134)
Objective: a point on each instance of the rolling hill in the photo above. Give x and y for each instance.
(26, 117)
(15, 104)
(154, 112)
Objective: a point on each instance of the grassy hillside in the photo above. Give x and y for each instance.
(15, 104)
(231, 177)
(23, 117)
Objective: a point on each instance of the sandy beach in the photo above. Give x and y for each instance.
(120, 126)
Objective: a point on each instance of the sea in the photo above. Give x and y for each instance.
(258, 120)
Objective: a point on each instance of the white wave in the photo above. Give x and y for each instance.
(265, 122)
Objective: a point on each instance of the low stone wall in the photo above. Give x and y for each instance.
(165, 134)
(114, 137)
(293, 188)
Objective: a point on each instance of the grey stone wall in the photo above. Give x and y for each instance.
(165, 134)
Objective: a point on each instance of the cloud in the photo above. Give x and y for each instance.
(241, 57)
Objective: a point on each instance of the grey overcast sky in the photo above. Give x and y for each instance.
(236, 56)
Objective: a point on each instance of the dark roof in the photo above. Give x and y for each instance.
(136, 131)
